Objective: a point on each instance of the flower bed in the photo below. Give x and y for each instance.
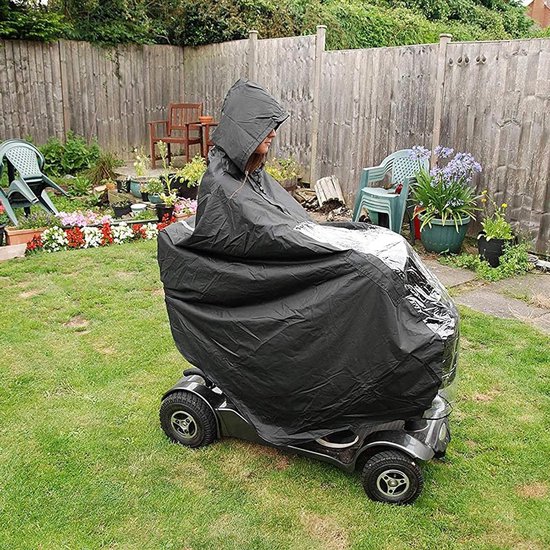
(55, 239)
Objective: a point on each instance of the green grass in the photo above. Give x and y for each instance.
(86, 353)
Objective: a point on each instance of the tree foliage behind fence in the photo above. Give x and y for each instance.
(495, 103)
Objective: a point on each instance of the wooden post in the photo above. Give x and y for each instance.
(64, 89)
(444, 39)
(319, 49)
(252, 55)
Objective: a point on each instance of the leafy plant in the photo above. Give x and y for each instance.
(77, 154)
(444, 192)
(37, 219)
(70, 157)
(514, 261)
(142, 163)
(154, 186)
(495, 225)
(78, 186)
(192, 172)
(120, 203)
(283, 169)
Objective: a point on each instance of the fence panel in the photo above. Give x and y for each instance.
(374, 102)
(30, 90)
(110, 94)
(210, 70)
(497, 106)
(285, 67)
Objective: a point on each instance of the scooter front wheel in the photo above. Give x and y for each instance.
(393, 477)
(187, 419)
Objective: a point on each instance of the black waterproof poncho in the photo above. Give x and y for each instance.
(306, 328)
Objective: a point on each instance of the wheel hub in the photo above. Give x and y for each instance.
(184, 424)
(393, 482)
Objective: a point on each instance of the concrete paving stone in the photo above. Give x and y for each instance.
(534, 286)
(449, 276)
(542, 323)
(491, 302)
(12, 251)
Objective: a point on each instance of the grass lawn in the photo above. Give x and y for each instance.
(85, 355)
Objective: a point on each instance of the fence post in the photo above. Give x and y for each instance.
(252, 55)
(64, 88)
(319, 49)
(444, 39)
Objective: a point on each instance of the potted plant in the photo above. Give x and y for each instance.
(285, 171)
(445, 199)
(184, 208)
(155, 188)
(189, 177)
(496, 233)
(121, 207)
(166, 207)
(33, 224)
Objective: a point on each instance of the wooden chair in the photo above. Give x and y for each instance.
(177, 128)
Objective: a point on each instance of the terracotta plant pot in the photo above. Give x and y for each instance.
(22, 236)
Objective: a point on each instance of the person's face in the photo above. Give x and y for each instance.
(263, 148)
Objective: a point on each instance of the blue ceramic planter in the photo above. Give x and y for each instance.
(135, 188)
(444, 237)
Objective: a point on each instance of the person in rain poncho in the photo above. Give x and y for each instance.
(307, 329)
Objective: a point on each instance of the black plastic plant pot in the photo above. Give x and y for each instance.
(144, 196)
(187, 192)
(121, 210)
(491, 250)
(2, 233)
(123, 186)
(163, 210)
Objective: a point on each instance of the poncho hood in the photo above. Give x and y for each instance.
(249, 113)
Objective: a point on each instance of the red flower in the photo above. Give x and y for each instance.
(139, 231)
(107, 236)
(75, 237)
(166, 221)
(34, 245)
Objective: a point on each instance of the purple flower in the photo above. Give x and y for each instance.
(443, 152)
(419, 153)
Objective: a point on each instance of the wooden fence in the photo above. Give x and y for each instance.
(349, 109)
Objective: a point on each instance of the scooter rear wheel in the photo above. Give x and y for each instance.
(187, 419)
(393, 477)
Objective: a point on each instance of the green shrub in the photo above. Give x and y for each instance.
(514, 261)
(70, 157)
(25, 22)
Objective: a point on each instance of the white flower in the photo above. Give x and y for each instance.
(121, 233)
(92, 237)
(54, 239)
(151, 231)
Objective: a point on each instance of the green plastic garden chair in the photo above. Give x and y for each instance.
(378, 200)
(27, 183)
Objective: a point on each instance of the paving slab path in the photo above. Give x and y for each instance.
(526, 297)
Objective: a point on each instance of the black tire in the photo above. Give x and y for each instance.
(187, 419)
(393, 477)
